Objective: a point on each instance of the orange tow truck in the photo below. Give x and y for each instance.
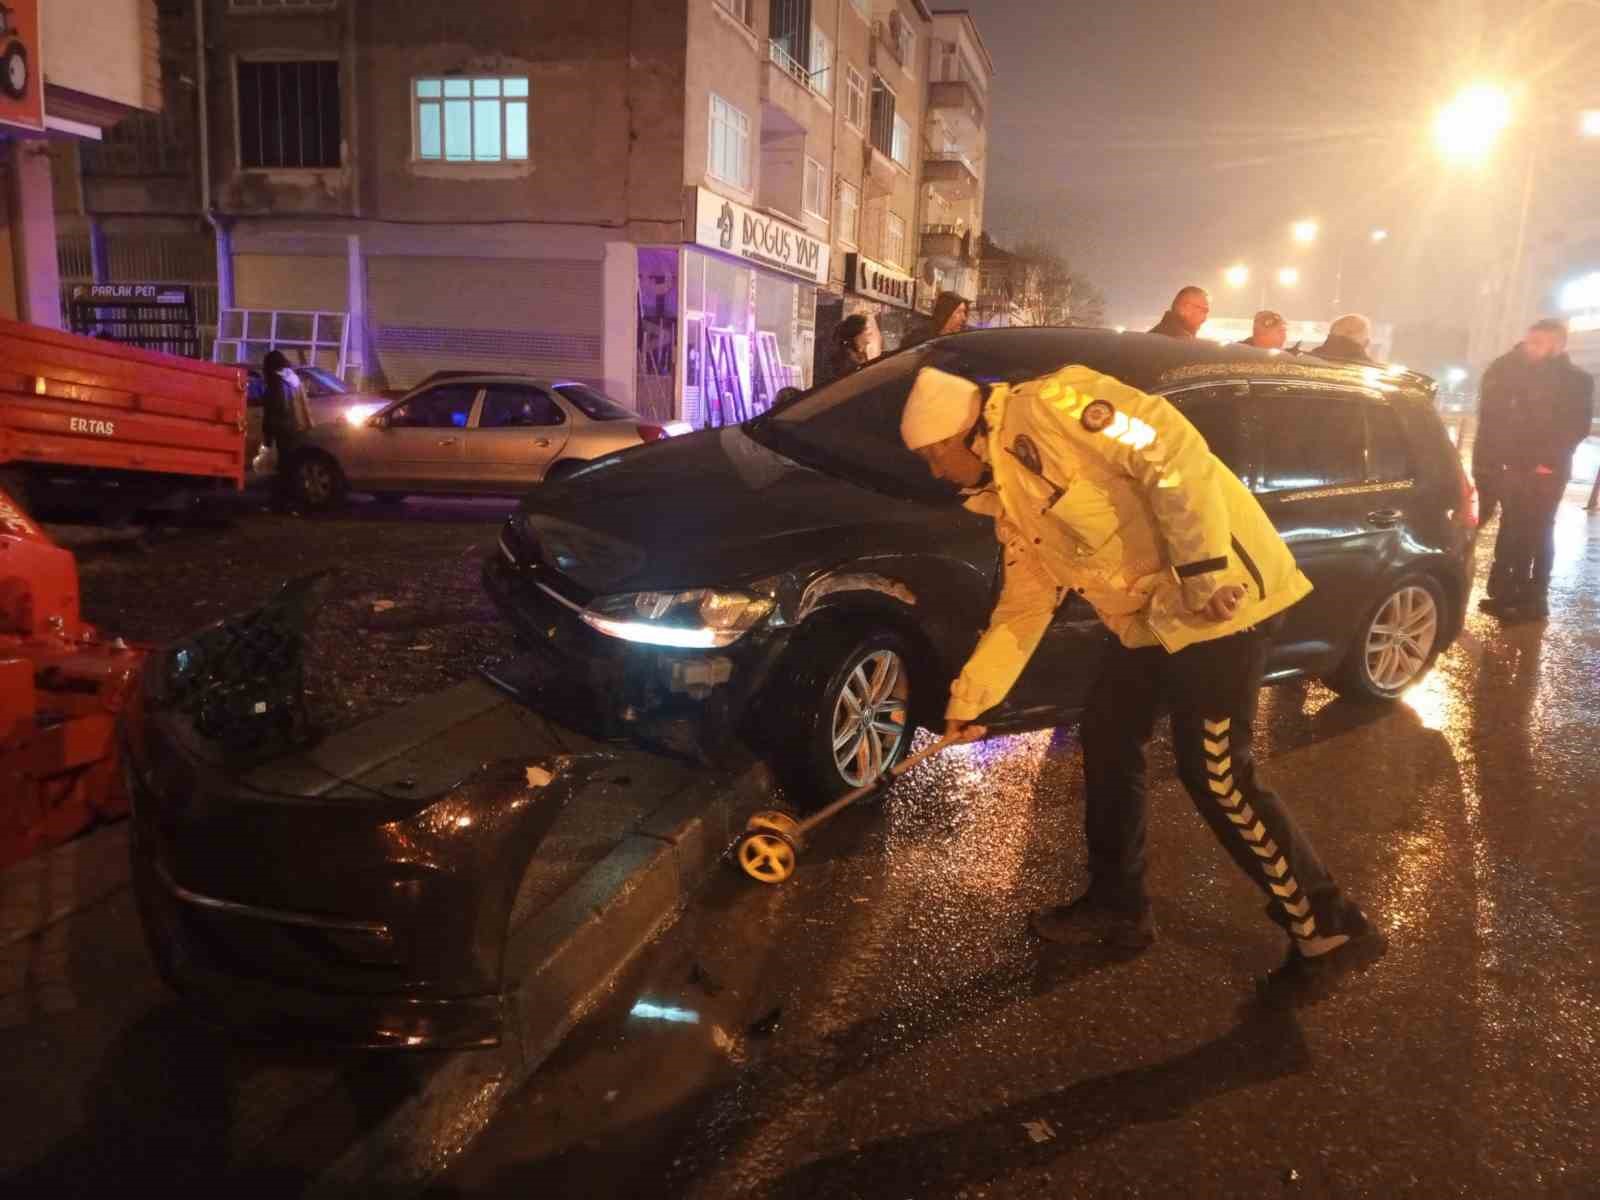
(73, 409)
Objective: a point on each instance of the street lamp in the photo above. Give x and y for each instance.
(1455, 376)
(1236, 276)
(1467, 128)
(1378, 235)
(1304, 232)
(1288, 276)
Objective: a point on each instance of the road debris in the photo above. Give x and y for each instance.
(1039, 1131)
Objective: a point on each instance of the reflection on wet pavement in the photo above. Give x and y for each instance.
(926, 1046)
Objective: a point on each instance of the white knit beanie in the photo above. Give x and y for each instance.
(941, 406)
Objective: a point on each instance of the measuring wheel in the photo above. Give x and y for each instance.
(768, 848)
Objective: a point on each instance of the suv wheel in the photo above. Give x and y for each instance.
(1397, 642)
(849, 708)
(316, 481)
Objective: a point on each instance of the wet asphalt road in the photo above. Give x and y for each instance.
(883, 1026)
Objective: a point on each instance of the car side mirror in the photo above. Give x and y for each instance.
(379, 420)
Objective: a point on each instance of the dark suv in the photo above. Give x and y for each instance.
(801, 581)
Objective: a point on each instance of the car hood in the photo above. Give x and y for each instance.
(714, 509)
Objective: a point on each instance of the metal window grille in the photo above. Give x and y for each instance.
(289, 115)
(244, 335)
(472, 120)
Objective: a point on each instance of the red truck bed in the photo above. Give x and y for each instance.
(84, 403)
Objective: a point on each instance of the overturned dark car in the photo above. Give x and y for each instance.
(800, 583)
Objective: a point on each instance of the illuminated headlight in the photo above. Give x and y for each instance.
(357, 414)
(699, 620)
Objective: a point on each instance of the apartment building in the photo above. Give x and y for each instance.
(664, 200)
(73, 69)
(955, 156)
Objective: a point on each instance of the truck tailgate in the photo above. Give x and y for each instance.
(83, 402)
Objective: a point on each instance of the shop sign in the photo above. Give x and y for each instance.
(21, 66)
(161, 295)
(721, 224)
(877, 282)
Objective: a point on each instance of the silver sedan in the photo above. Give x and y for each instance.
(467, 435)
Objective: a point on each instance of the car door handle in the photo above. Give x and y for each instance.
(447, 441)
(1385, 518)
(541, 441)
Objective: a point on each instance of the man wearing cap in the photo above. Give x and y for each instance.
(1268, 331)
(1096, 487)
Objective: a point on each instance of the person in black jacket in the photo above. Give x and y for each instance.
(854, 346)
(1348, 339)
(1534, 409)
(949, 315)
(1190, 308)
(284, 419)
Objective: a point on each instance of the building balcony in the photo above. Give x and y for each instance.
(953, 173)
(786, 88)
(946, 245)
(961, 105)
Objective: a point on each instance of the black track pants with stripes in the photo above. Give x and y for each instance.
(1211, 690)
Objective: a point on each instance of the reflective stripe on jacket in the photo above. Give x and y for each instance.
(1103, 489)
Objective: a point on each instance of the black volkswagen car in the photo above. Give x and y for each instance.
(799, 582)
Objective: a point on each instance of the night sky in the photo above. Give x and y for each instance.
(1155, 143)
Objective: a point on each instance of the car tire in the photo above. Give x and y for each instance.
(1396, 643)
(828, 674)
(316, 481)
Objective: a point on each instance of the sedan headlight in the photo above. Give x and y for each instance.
(698, 620)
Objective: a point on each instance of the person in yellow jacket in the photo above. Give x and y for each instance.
(1098, 488)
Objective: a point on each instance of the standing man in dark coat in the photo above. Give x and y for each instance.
(1534, 409)
(1190, 308)
(1349, 338)
(284, 420)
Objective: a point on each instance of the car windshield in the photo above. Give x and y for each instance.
(321, 383)
(852, 428)
(595, 405)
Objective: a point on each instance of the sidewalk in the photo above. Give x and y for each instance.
(109, 1084)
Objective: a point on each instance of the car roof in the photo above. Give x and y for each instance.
(1150, 361)
(495, 377)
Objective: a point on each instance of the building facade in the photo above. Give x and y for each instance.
(665, 201)
(955, 156)
(74, 70)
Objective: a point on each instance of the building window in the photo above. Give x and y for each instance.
(729, 158)
(905, 41)
(739, 9)
(855, 98)
(815, 201)
(901, 147)
(289, 115)
(471, 120)
(882, 135)
(894, 240)
(848, 221)
(821, 64)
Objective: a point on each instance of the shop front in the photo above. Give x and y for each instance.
(729, 318)
(888, 295)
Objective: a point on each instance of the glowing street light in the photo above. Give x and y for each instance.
(1237, 275)
(1467, 128)
(1379, 235)
(1589, 123)
(1304, 232)
(1288, 277)
(1456, 376)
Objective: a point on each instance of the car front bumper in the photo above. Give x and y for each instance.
(331, 915)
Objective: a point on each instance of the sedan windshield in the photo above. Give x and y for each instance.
(320, 383)
(595, 405)
(852, 428)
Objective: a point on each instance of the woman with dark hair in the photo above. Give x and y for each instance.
(949, 316)
(852, 346)
(284, 419)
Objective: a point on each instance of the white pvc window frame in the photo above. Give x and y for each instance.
(468, 120)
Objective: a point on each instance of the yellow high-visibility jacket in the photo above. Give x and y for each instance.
(1103, 489)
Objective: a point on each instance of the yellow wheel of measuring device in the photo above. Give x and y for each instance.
(766, 855)
(775, 821)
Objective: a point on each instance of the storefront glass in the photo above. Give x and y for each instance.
(747, 334)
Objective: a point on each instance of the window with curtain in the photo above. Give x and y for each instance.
(460, 119)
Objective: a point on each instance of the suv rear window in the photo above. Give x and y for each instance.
(1390, 457)
(1311, 440)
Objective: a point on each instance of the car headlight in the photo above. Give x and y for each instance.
(697, 620)
(357, 414)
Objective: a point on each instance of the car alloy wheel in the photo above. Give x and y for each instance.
(870, 720)
(1400, 639)
(319, 481)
